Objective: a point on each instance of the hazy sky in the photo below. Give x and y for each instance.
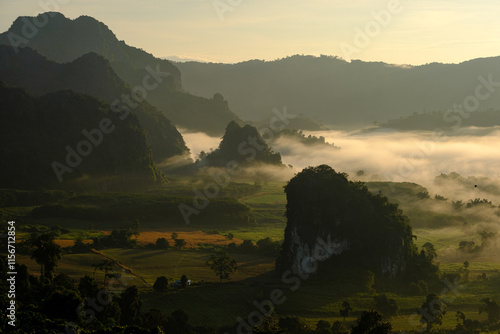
(414, 32)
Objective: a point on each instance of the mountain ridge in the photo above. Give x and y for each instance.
(340, 93)
(90, 74)
(64, 40)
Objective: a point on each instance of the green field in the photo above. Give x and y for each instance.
(215, 304)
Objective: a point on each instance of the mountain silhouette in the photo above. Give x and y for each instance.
(64, 138)
(64, 40)
(243, 145)
(90, 74)
(341, 93)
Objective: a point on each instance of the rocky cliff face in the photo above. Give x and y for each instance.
(331, 219)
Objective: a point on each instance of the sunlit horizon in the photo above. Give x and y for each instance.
(414, 33)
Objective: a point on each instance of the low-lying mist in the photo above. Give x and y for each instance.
(461, 169)
(394, 156)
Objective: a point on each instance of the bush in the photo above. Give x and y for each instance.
(161, 284)
(180, 243)
(388, 307)
(418, 289)
(162, 243)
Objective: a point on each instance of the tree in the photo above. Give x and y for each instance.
(338, 327)
(46, 253)
(162, 243)
(432, 311)
(180, 243)
(230, 236)
(105, 266)
(135, 228)
(293, 325)
(174, 235)
(464, 271)
(177, 322)
(491, 308)
(222, 264)
(344, 310)
(429, 251)
(184, 281)
(154, 319)
(388, 307)
(370, 322)
(130, 306)
(246, 246)
(323, 327)
(62, 305)
(87, 287)
(161, 284)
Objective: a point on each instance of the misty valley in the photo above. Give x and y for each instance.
(301, 195)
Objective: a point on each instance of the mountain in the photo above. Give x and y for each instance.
(64, 40)
(69, 139)
(341, 93)
(243, 145)
(445, 120)
(90, 74)
(336, 221)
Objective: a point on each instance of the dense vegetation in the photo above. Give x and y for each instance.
(243, 145)
(42, 132)
(365, 229)
(91, 74)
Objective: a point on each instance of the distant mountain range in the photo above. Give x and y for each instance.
(64, 40)
(340, 93)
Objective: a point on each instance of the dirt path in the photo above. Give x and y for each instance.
(127, 270)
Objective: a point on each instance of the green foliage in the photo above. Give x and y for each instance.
(293, 325)
(236, 146)
(388, 307)
(269, 247)
(492, 310)
(162, 243)
(432, 311)
(127, 206)
(345, 309)
(179, 243)
(298, 135)
(222, 264)
(370, 322)
(116, 239)
(87, 287)
(130, 306)
(46, 253)
(322, 202)
(161, 284)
